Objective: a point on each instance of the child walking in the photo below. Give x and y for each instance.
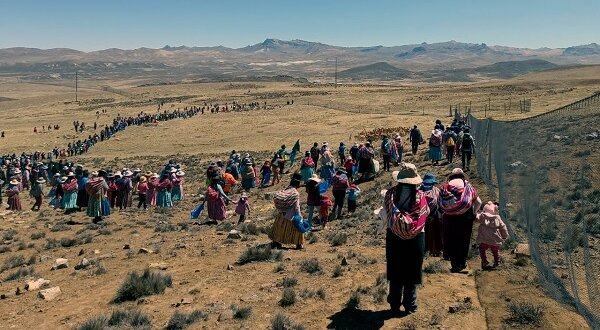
(324, 209)
(491, 234)
(142, 190)
(352, 192)
(243, 207)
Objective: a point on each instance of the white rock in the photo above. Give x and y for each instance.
(60, 263)
(36, 285)
(49, 294)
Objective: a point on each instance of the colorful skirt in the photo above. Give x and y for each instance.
(306, 173)
(217, 210)
(69, 201)
(98, 207)
(176, 194)
(284, 232)
(265, 179)
(14, 203)
(435, 153)
(163, 199)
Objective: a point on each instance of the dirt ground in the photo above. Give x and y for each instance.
(198, 256)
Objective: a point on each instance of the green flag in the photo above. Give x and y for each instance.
(295, 150)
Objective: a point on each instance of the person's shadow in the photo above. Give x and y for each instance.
(349, 318)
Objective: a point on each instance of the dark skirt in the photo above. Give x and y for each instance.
(434, 237)
(365, 165)
(457, 238)
(404, 258)
(82, 198)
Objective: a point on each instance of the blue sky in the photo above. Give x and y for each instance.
(93, 25)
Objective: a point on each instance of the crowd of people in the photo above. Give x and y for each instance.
(419, 214)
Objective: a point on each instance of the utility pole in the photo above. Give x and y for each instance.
(335, 72)
(76, 86)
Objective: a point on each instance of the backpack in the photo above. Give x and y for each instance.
(450, 141)
(385, 147)
(435, 141)
(467, 142)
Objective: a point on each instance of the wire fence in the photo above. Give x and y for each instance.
(545, 173)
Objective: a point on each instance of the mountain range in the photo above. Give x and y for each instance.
(444, 61)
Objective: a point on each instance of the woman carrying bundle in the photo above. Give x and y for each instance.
(404, 214)
(164, 186)
(287, 203)
(307, 167)
(459, 204)
(98, 205)
(70, 187)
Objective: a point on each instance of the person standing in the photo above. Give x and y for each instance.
(435, 147)
(307, 167)
(404, 215)
(467, 148)
(142, 190)
(216, 200)
(14, 202)
(164, 186)
(450, 144)
(287, 204)
(385, 152)
(243, 207)
(69, 201)
(458, 204)
(415, 138)
(314, 153)
(98, 205)
(339, 185)
(37, 192)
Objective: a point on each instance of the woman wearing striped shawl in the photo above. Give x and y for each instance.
(287, 204)
(98, 205)
(404, 214)
(458, 204)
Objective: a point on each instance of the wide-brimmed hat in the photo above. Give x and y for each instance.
(180, 173)
(408, 174)
(148, 173)
(94, 173)
(17, 171)
(244, 195)
(63, 178)
(44, 167)
(128, 173)
(40, 181)
(70, 174)
(155, 176)
(429, 178)
(57, 175)
(117, 173)
(173, 170)
(143, 179)
(137, 170)
(14, 182)
(436, 132)
(315, 178)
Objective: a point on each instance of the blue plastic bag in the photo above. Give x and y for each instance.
(301, 225)
(195, 213)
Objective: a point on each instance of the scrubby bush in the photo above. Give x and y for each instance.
(524, 313)
(39, 235)
(20, 273)
(282, 322)
(180, 320)
(353, 301)
(311, 266)
(60, 226)
(259, 253)
(337, 239)
(338, 271)
(289, 282)
(119, 319)
(249, 229)
(241, 313)
(288, 297)
(137, 286)
(13, 262)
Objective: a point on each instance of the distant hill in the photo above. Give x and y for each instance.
(442, 61)
(514, 68)
(375, 71)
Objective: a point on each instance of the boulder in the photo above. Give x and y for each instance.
(225, 315)
(229, 267)
(144, 251)
(49, 294)
(60, 263)
(83, 264)
(36, 285)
